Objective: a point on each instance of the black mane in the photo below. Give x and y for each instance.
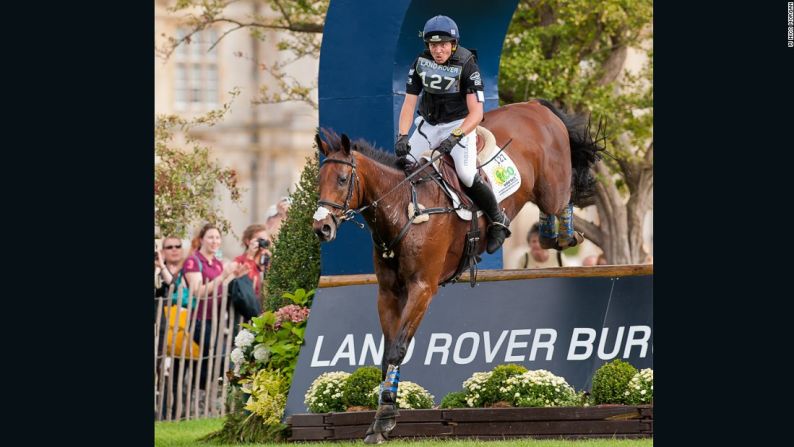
(363, 147)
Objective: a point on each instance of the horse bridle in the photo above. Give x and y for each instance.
(347, 212)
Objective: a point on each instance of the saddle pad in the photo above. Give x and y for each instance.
(503, 176)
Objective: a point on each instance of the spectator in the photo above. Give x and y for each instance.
(205, 274)
(257, 254)
(168, 263)
(594, 260)
(276, 215)
(537, 257)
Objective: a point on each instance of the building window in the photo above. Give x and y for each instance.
(196, 74)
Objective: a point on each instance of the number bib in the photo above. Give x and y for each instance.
(438, 79)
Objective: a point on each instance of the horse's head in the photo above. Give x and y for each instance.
(339, 185)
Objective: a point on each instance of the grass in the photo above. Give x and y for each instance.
(181, 434)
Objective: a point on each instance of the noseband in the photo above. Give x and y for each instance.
(347, 212)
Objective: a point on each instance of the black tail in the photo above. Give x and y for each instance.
(584, 154)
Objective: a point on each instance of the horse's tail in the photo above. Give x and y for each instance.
(584, 154)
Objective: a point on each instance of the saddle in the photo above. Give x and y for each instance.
(486, 147)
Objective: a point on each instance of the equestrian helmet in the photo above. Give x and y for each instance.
(440, 29)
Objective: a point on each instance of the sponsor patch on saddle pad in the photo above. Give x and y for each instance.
(503, 176)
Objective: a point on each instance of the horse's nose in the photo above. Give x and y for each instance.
(324, 232)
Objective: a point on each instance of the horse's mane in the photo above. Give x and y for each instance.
(363, 147)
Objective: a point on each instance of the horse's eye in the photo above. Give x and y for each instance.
(342, 180)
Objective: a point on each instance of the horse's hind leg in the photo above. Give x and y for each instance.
(568, 237)
(548, 230)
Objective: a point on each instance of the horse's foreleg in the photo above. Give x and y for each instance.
(389, 310)
(410, 316)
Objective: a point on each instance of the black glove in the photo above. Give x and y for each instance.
(401, 147)
(447, 145)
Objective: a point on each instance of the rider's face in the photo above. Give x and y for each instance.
(441, 51)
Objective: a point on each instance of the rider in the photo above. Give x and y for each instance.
(449, 112)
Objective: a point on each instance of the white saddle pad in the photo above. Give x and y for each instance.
(502, 173)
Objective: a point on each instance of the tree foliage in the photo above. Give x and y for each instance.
(574, 53)
(301, 20)
(296, 252)
(185, 181)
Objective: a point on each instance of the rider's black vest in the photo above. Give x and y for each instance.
(443, 100)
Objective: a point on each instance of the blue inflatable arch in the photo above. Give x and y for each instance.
(367, 48)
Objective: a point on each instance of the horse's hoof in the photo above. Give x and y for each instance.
(563, 243)
(374, 438)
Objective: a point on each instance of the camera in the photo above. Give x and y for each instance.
(264, 243)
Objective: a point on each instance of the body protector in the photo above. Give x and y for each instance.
(445, 86)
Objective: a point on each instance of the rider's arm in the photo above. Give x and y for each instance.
(475, 114)
(407, 113)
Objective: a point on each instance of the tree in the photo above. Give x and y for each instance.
(296, 252)
(303, 21)
(574, 53)
(185, 181)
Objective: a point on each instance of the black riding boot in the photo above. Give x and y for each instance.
(482, 195)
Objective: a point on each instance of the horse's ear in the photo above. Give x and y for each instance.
(346, 144)
(321, 145)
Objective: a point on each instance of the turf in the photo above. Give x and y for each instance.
(186, 433)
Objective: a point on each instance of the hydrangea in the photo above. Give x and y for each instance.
(244, 339)
(640, 388)
(473, 386)
(539, 388)
(291, 312)
(237, 356)
(325, 393)
(261, 352)
(410, 396)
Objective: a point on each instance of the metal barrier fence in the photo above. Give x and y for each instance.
(192, 341)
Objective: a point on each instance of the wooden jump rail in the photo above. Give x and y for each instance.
(502, 275)
(614, 421)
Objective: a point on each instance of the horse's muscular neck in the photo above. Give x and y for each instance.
(376, 181)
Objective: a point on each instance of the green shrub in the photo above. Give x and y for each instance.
(296, 252)
(640, 388)
(409, 396)
(358, 386)
(268, 392)
(610, 382)
(494, 388)
(455, 399)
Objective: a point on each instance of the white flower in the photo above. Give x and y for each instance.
(261, 352)
(244, 339)
(237, 356)
(643, 391)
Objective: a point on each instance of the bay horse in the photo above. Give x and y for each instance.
(554, 154)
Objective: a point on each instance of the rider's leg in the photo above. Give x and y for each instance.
(548, 230)
(466, 166)
(419, 140)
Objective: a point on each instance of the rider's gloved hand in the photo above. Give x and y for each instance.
(401, 148)
(454, 138)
